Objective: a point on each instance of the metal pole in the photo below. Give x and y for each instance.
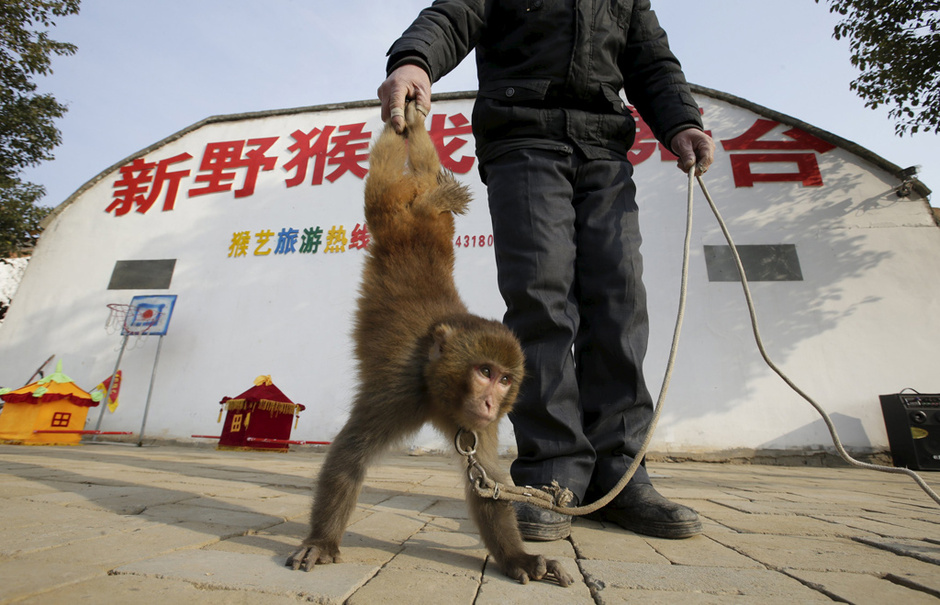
(156, 358)
(107, 392)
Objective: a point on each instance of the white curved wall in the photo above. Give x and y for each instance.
(863, 321)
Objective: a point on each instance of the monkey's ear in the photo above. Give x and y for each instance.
(440, 335)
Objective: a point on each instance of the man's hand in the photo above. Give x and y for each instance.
(406, 82)
(694, 148)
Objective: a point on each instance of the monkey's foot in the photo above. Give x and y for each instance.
(527, 567)
(309, 554)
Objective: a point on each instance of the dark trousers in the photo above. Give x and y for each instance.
(567, 252)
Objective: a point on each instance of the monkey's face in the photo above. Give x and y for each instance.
(487, 399)
(473, 372)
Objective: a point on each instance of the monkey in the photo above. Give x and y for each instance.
(421, 356)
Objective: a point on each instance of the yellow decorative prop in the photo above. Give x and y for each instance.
(51, 411)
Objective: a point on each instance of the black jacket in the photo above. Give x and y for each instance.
(550, 71)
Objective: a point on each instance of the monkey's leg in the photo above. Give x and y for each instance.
(338, 489)
(422, 155)
(389, 189)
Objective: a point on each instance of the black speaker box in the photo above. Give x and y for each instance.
(913, 424)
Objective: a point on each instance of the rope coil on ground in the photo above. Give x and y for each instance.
(487, 488)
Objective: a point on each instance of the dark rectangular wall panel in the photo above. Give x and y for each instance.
(142, 274)
(768, 262)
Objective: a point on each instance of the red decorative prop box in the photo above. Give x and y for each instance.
(258, 419)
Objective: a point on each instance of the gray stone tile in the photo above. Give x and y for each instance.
(613, 544)
(133, 590)
(862, 588)
(254, 573)
(38, 571)
(873, 528)
(210, 516)
(447, 553)
(781, 525)
(701, 550)
(410, 586)
(929, 552)
(604, 575)
(816, 553)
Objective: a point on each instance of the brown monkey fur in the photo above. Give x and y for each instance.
(422, 357)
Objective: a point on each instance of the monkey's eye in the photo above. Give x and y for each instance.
(505, 380)
(485, 371)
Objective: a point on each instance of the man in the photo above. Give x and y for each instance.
(552, 137)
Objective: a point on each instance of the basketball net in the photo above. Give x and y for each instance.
(125, 319)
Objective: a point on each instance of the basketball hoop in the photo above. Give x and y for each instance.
(146, 315)
(118, 316)
(132, 320)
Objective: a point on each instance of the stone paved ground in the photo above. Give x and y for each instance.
(169, 524)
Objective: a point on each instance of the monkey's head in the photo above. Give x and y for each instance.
(473, 371)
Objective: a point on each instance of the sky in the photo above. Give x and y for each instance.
(145, 70)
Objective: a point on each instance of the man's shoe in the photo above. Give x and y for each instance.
(541, 525)
(641, 509)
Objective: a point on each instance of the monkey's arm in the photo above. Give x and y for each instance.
(368, 433)
(499, 529)
(337, 489)
(500, 533)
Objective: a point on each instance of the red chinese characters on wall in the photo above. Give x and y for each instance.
(217, 171)
(798, 151)
(329, 153)
(308, 147)
(141, 183)
(446, 149)
(749, 150)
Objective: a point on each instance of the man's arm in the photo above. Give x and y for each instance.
(655, 85)
(437, 41)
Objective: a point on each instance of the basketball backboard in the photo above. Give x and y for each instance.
(151, 315)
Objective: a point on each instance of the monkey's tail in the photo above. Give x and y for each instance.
(448, 195)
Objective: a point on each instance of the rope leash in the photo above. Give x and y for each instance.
(556, 498)
(763, 352)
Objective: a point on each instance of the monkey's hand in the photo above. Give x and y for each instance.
(311, 553)
(525, 567)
